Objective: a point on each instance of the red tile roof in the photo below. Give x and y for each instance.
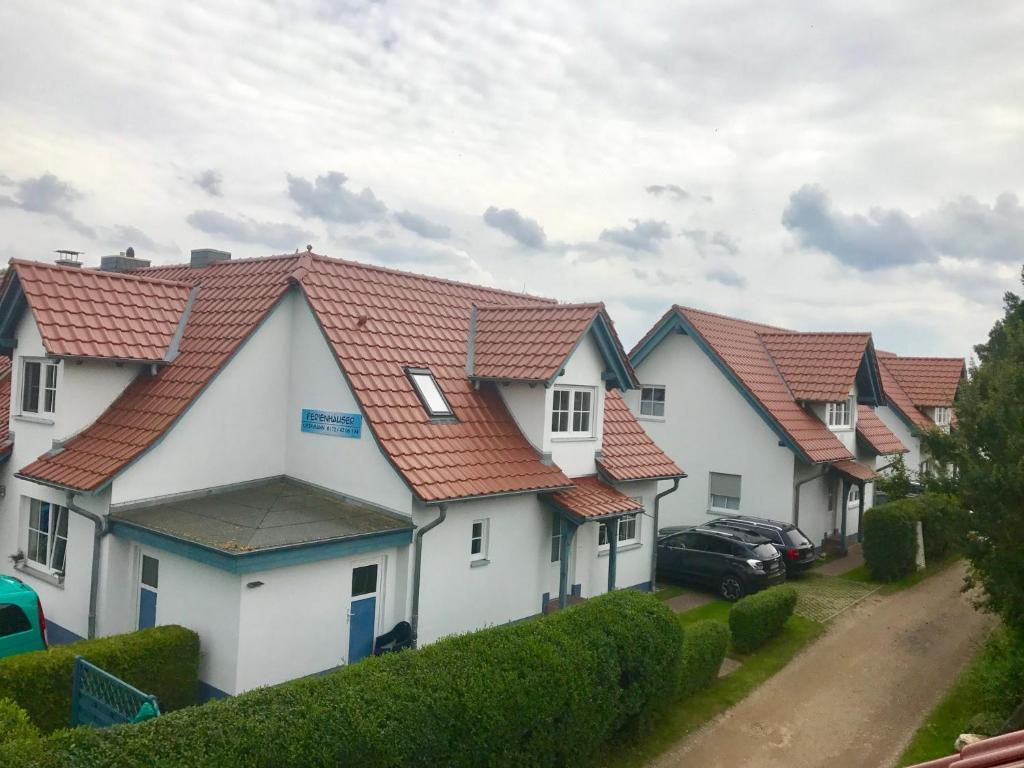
(627, 453)
(739, 346)
(820, 367)
(528, 342)
(592, 498)
(228, 307)
(88, 313)
(929, 381)
(5, 404)
(896, 397)
(878, 437)
(856, 470)
(1006, 751)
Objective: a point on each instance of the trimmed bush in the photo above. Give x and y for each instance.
(14, 723)
(890, 540)
(943, 523)
(756, 619)
(551, 691)
(704, 646)
(163, 661)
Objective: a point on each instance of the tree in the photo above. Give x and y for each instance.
(987, 446)
(895, 483)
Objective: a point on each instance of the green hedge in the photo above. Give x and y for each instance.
(756, 619)
(550, 691)
(163, 661)
(704, 646)
(14, 723)
(943, 523)
(890, 539)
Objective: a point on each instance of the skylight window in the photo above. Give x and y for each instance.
(429, 393)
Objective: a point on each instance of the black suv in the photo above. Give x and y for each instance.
(735, 563)
(797, 551)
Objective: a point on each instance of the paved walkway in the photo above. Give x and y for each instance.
(855, 697)
(854, 559)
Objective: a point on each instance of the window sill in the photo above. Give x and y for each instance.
(573, 439)
(479, 563)
(604, 551)
(650, 418)
(32, 419)
(38, 573)
(724, 512)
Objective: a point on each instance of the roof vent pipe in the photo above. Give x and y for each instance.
(204, 257)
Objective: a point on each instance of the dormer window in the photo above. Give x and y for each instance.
(39, 387)
(429, 392)
(942, 416)
(839, 415)
(572, 411)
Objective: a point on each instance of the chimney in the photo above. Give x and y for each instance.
(122, 262)
(68, 258)
(204, 257)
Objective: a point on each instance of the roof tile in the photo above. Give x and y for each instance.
(875, 434)
(627, 453)
(929, 381)
(593, 498)
(819, 367)
(88, 313)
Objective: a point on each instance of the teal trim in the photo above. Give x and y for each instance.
(869, 390)
(251, 562)
(621, 376)
(676, 322)
(12, 305)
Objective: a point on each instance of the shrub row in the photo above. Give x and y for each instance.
(704, 647)
(544, 692)
(890, 540)
(890, 533)
(163, 661)
(14, 723)
(757, 618)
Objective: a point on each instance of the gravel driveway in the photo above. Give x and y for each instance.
(855, 697)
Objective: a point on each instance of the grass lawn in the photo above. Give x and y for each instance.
(862, 574)
(965, 699)
(685, 716)
(666, 591)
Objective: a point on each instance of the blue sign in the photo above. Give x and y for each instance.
(331, 423)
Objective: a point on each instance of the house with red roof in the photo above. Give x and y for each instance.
(920, 394)
(769, 422)
(294, 455)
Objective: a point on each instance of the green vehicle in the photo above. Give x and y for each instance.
(22, 623)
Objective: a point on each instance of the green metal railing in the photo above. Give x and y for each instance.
(99, 699)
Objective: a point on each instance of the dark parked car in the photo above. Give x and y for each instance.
(735, 563)
(796, 549)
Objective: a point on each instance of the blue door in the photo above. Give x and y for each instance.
(362, 614)
(148, 582)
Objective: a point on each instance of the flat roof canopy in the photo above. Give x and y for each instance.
(260, 516)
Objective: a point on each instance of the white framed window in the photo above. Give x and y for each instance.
(627, 530)
(39, 387)
(839, 415)
(429, 393)
(942, 416)
(478, 540)
(853, 499)
(724, 492)
(652, 401)
(47, 535)
(556, 538)
(572, 412)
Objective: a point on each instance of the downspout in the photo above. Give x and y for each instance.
(417, 566)
(796, 494)
(613, 550)
(102, 528)
(654, 553)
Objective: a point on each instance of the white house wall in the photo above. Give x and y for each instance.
(355, 467)
(899, 428)
(710, 427)
(296, 622)
(233, 432)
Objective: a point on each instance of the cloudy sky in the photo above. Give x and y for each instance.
(814, 165)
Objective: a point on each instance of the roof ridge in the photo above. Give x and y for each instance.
(681, 308)
(94, 271)
(929, 357)
(418, 276)
(559, 305)
(815, 333)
